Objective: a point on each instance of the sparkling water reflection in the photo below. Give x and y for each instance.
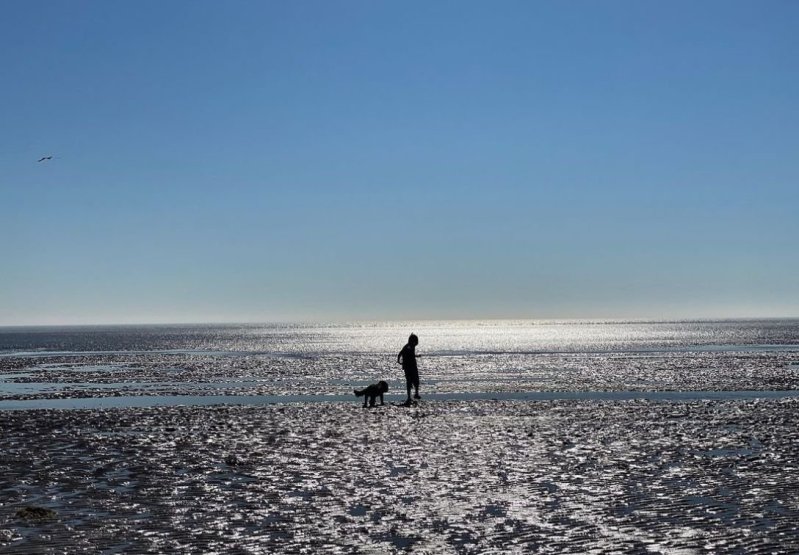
(458, 357)
(627, 437)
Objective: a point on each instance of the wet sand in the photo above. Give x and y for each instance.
(97, 375)
(565, 476)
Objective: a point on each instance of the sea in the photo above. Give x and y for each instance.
(594, 463)
(105, 366)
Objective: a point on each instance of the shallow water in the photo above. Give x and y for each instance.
(555, 437)
(148, 400)
(500, 357)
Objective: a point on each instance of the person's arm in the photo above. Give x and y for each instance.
(399, 356)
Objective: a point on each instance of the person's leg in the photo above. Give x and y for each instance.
(416, 386)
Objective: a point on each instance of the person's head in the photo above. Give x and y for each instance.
(413, 340)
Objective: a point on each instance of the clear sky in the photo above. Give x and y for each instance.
(296, 160)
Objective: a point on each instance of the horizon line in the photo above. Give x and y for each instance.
(397, 320)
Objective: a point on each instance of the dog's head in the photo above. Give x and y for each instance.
(382, 386)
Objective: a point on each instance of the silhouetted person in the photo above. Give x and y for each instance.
(407, 356)
(371, 393)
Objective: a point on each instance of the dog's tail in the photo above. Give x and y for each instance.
(358, 393)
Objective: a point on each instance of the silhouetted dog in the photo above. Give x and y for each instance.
(372, 392)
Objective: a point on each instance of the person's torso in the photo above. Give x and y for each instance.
(409, 357)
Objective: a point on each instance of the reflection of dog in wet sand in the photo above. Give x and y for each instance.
(371, 393)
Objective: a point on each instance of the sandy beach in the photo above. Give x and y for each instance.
(449, 476)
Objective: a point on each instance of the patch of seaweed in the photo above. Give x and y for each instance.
(35, 513)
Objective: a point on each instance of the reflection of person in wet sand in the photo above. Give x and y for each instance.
(407, 356)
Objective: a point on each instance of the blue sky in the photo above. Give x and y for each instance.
(262, 161)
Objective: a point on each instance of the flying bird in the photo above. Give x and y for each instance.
(43, 158)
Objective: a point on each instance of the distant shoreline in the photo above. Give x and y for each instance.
(368, 322)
